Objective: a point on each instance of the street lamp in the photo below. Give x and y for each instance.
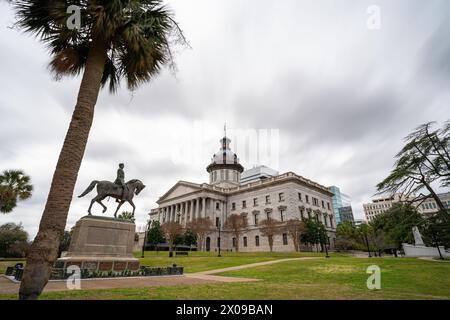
(321, 236)
(220, 239)
(147, 229)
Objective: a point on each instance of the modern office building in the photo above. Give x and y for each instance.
(430, 206)
(381, 205)
(257, 173)
(342, 206)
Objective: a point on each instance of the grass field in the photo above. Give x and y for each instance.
(203, 261)
(340, 277)
(8, 262)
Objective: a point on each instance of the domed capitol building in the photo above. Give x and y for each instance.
(258, 194)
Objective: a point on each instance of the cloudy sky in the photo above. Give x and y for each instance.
(333, 94)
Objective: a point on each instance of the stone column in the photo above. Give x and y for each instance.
(197, 208)
(191, 209)
(185, 213)
(203, 207)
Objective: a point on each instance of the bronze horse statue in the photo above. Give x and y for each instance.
(110, 189)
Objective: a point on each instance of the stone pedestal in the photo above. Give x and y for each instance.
(423, 251)
(101, 244)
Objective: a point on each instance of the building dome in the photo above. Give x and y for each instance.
(225, 168)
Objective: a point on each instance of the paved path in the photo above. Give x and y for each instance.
(205, 277)
(8, 287)
(432, 259)
(252, 265)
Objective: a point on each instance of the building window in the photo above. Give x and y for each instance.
(285, 239)
(255, 202)
(234, 242)
(307, 198)
(302, 214)
(245, 241)
(267, 199)
(281, 197)
(282, 217)
(256, 219)
(300, 197)
(315, 202)
(323, 204)
(257, 241)
(328, 206)
(244, 204)
(217, 222)
(245, 218)
(233, 206)
(217, 206)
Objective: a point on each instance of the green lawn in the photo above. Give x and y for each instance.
(339, 277)
(203, 261)
(8, 262)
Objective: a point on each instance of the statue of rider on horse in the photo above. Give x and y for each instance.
(121, 191)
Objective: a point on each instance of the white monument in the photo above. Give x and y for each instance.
(420, 250)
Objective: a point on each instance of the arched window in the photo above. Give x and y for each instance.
(285, 239)
(245, 241)
(257, 241)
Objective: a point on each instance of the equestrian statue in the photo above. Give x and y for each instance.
(121, 191)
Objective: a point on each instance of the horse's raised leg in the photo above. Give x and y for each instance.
(118, 207)
(100, 201)
(90, 206)
(132, 204)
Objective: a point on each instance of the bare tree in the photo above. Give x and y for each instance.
(269, 228)
(294, 228)
(236, 223)
(200, 227)
(171, 231)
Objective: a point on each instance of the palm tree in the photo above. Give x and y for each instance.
(126, 216)
(14, 186)
(118, 39)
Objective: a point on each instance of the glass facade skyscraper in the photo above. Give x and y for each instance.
(342, 206)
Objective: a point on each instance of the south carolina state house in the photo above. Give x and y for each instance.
(258, 193)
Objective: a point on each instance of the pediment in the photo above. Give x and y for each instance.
(179, 189)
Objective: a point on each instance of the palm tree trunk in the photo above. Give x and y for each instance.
(44, 250)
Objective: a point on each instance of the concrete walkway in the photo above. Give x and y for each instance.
(252, 265)
(205, 277)
(432, 259)
(9, 287)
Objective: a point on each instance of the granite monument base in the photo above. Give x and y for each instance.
(423, 251)
(101, 244)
